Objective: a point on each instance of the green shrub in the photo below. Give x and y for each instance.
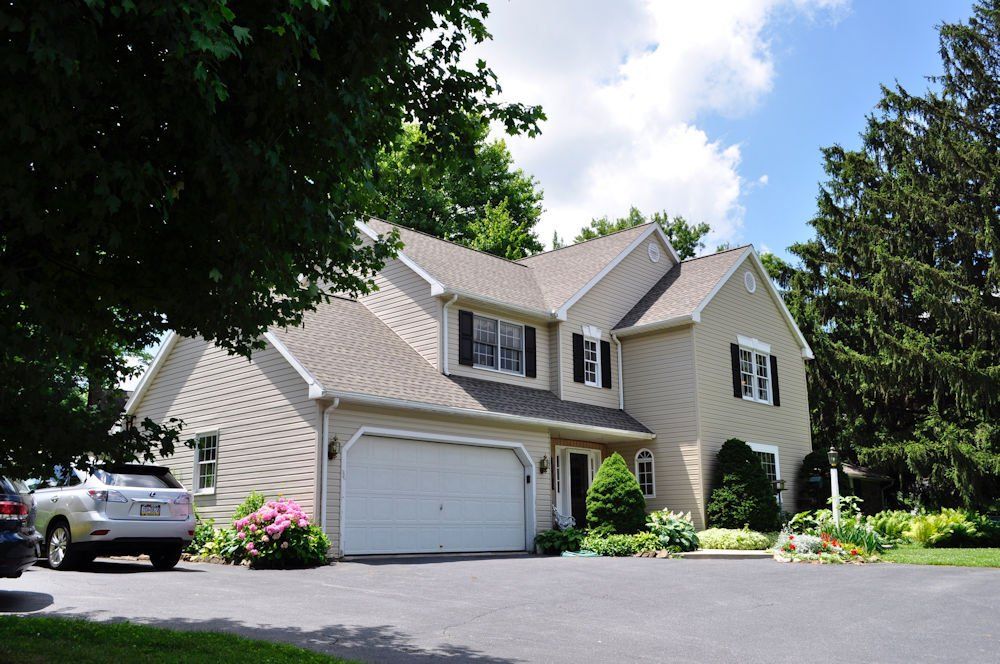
(280, 535)
(615, 503)
(557, 541)
(204, 532)
(251, 504)
(736, 539)
(949, 527)
(674, 530)
(890, 524)
(850, 534)
(743, 496)
(223, 544)
(620, 545)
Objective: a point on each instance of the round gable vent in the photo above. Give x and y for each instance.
(750, 281)
(654, 252)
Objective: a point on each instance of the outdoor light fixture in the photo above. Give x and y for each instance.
(834, 458)
(333, 448)
(543, 465)
(779, 486)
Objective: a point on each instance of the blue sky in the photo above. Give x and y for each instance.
(715, 109)
(827, 81)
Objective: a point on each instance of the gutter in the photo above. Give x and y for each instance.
(621, 384)
(676, 321)
(324, 450)
(444, 334)
(370, 400)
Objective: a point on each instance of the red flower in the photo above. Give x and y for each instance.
(854, 552)
(791, 547)
(791, 537)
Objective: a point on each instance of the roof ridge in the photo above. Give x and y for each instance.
(441, 239)
(577, 244)
(717, 253)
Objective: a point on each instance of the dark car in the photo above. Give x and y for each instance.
(18, 539)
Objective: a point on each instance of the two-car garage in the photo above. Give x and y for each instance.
(407, 493)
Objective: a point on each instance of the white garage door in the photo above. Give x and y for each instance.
(410, 496)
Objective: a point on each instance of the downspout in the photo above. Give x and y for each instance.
(621, 385)
(325, 451)
(444, 334)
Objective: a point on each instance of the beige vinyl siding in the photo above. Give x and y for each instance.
(540, 382)
(404, 302)
(734, 312)
(347, 419)
(603, 306)
(554, 360)
(660, 393)
(262, 411)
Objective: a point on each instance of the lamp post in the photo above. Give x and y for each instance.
(834, 457)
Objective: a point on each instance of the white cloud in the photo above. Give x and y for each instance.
(624, 85)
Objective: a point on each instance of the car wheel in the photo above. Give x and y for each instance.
(166, 559)
(59, 547)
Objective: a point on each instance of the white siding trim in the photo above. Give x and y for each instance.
(437, 288)
(561, 312)
(530, 484)
(354, 397)
(664, 324)
(154, 367)
(771, 289)
(315, 387)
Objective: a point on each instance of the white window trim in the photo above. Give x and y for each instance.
(498, 369)
(196, 475)
(563, 483)
(652, 471)
(756, 346)
(593, 334)
(769, 449)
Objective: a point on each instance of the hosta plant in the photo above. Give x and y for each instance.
(675, 530)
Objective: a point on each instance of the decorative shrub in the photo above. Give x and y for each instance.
(792, 543)
(949, 527)
(204, 532)
(223, 544)
(674, 530)
(743, 496)
(557, 541)
(615, 503)
(823, 549)
(736, 539)
(620, 545)
(251, 504)
(890, 524)
(279, 535)
(855, 536)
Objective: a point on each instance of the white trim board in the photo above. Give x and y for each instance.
(530, 485)
(437, 288)
(654, 228)
(315, 388)
(154, 368)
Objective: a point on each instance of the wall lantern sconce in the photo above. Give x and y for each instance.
(333, 448)
(543, 465)
(779, 486)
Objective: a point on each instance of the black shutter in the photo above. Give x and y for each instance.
(606, 364)
(464, 337)
(775, 394)
(734, 350)
(577, 358)
(530, 370)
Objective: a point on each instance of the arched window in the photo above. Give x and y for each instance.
(644, 473)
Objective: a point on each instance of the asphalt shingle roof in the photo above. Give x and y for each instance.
(349, 350)
(682, 289)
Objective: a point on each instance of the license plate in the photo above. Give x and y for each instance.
(149, 510)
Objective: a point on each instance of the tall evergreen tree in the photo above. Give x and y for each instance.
(900, 291)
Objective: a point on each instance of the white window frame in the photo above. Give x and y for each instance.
(592, 335)
(652, 472)
(757, 350)
(769, 449)
(196, 476)
(497, 346)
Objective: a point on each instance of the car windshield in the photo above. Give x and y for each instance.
(140, 478)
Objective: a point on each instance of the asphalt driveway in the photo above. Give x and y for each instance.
(532, 609)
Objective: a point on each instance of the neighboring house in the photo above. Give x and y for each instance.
(451, 409)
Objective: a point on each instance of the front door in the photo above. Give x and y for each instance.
(579, 482)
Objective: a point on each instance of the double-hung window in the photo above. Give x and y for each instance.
(591, 362)
(497, 344)
(755, 373)
(206, 460)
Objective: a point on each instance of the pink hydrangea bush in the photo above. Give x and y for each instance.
(279, 534)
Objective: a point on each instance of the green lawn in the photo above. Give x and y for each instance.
(35, 639)
(915, 555)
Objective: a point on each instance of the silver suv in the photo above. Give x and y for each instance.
(113, 510)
